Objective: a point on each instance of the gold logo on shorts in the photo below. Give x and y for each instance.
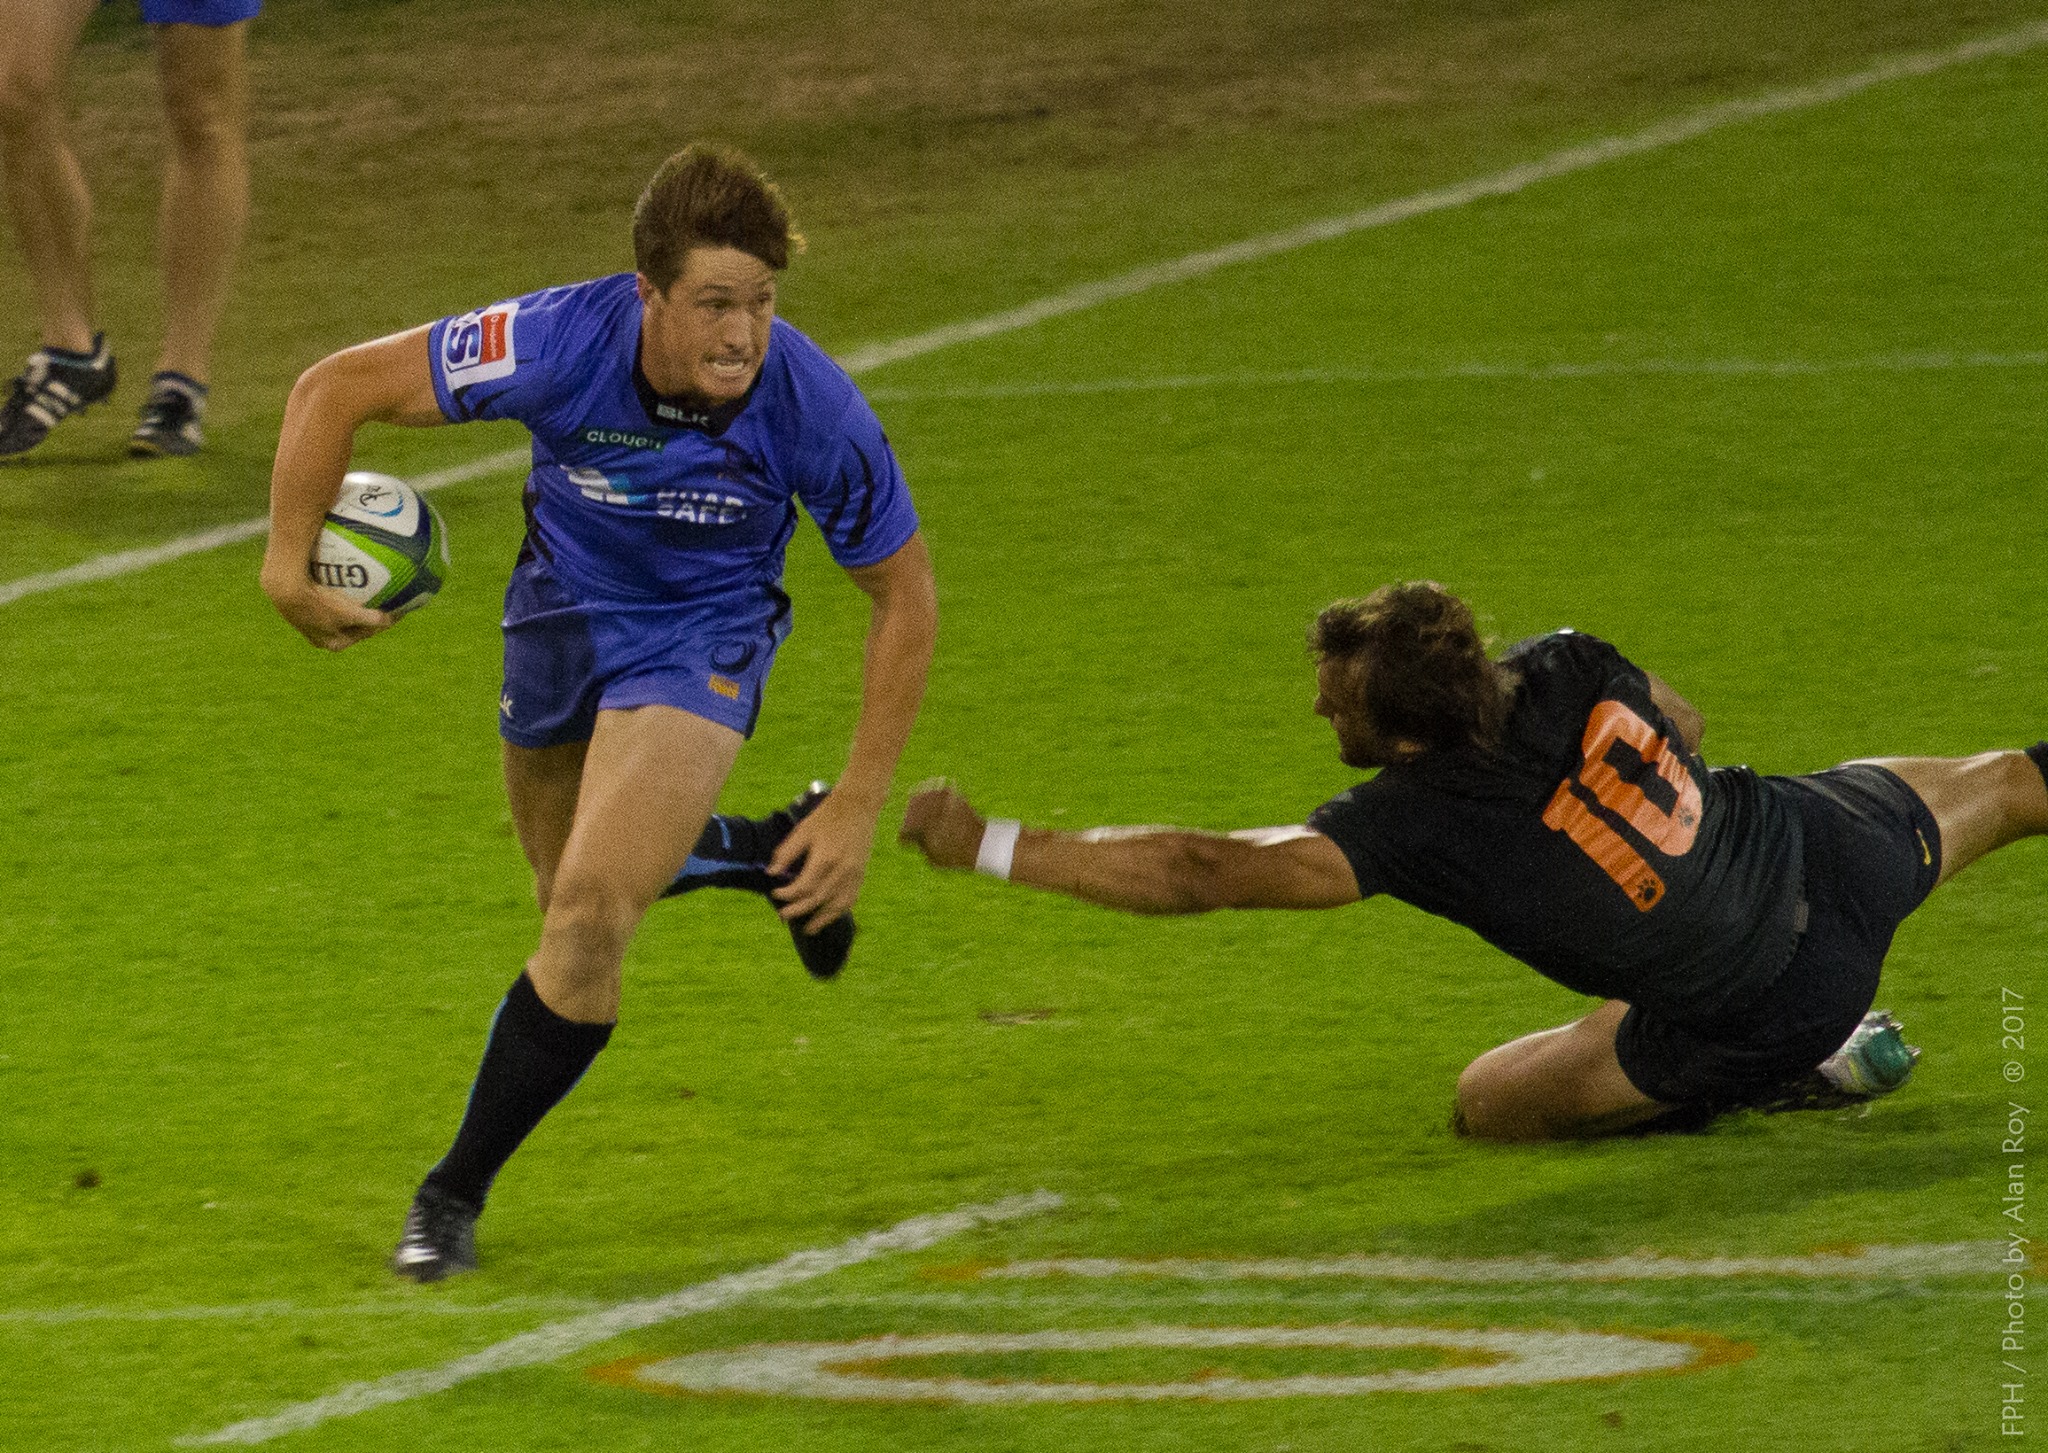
(1926, 854)
(727, 687)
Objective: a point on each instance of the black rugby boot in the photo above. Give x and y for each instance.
(439, 1239)
(168, 425)
(56, 384)
(734, 853)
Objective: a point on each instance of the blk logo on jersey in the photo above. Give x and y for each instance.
(689, 418)
(478, 346)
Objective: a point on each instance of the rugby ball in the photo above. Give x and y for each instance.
(382, 546)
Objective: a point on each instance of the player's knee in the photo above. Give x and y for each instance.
(2023, 793)
(1503, 1102)
(201, 127)
(1484, 1106)
(592, 915)
(28, 100)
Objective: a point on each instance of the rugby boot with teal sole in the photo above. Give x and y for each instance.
(1874, 1061)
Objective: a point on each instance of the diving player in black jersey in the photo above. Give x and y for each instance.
(1555, 802)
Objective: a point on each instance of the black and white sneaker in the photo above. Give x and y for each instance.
(439, 1239)
(170, 418)
(56, 384)
(734, 853)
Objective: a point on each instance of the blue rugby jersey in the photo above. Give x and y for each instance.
(638, 499)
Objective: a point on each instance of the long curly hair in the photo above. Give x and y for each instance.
(1419, 666)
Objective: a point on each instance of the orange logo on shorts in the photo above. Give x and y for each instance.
(727, 687)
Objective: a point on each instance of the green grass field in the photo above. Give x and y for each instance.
(1765, 408)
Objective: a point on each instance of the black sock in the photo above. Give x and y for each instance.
(74, 357)
(534, 1057)
(183, 383)
(2039, 752)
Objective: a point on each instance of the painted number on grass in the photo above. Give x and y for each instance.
(1619, 742)
(870, 1370)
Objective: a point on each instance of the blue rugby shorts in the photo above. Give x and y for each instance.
(199, 12)
(567, 660)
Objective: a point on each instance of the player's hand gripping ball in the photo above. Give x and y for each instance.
(383, 546)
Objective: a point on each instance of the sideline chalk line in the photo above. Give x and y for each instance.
(1655, 137)
(1144, 279)
(1373, 1297)
(127, 562)
(1928, 362)
(294, 1311)
(1484, 1280)
(1961, 1258)
(558, 1339)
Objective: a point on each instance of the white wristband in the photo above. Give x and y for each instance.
(998, 846)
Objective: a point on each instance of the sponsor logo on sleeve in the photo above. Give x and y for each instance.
(478, 346)
(727, 687)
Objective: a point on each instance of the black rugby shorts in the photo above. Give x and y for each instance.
(1873, 854)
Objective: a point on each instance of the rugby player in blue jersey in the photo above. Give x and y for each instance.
(1555, 802)
(677, 424)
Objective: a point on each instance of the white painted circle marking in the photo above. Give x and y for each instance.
(844, 1371)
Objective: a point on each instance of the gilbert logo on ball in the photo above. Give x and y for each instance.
(382, 545)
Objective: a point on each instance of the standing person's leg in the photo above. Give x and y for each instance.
(46, 192)
(647, 785)
(204, 216)
(1980, 803)
(52, 214)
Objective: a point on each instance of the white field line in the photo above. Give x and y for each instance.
(559, 1339)
(1089, 295)
(1604, 1290)
(294, 1311)
(127, 562)
(1499, 184)
(1372, 1296)
(1963, 1258)
(1479, 372)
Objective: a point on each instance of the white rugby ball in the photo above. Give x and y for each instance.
(382, 545)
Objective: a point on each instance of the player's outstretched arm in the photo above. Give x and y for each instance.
(1139, 869)
(830, 849)
(386, 381)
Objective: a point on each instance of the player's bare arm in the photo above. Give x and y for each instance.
(385, 381)
(1692, 727)
(833, 844)
(1151, 870)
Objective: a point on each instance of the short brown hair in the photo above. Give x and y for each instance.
(1426, 677)
(709, 196)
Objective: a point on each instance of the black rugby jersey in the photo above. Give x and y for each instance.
(1593, 847)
